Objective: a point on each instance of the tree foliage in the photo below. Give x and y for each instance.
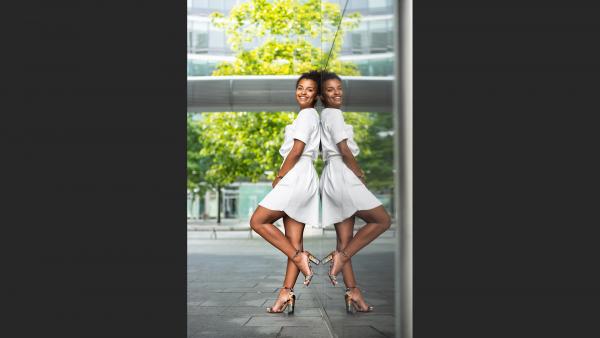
(377, 162)
(241, 145)
(196, 164)
(290, 37)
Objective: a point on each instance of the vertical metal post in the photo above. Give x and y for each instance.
(403, 128)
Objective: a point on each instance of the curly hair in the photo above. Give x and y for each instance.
(312, 75)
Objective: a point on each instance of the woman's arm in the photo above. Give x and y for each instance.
(350, 160)
(290, 160)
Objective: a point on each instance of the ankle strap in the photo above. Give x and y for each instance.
(296, 254)
(286, 288)
(344, 253)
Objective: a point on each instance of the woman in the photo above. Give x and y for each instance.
(344, 194)
(295, 193)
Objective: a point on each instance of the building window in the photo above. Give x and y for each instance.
(197, 37)
(379, 42)
(376, 4)
(200, 67)
(200, 42)
(358, 5)
(380, 32)
(356, 47)
(200, 4)
(216, 40)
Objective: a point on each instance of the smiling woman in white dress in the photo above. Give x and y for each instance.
(344, 194)
(295, 194)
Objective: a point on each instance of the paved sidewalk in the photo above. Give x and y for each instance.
(231, 281)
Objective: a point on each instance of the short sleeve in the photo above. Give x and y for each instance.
(337, 126)
(304, 125)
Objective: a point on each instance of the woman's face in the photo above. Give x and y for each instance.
(306, 93)
(332, 93)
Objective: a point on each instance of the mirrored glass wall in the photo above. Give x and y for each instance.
(243, 61)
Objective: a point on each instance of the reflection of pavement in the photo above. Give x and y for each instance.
(232, 280)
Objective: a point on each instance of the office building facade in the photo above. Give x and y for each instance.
(370, 46)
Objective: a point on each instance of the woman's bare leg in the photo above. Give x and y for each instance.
(378, 221)
(262, 222)
(345, 233)
(294, 232)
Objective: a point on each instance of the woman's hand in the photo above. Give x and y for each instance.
(275, 181)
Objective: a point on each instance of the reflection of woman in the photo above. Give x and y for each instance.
(344, 194)
(295, 193)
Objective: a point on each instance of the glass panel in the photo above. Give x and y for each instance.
(356, 44)
(378, 3)
(364, 37)
(359, 5)
(200, 4)
(216, 40)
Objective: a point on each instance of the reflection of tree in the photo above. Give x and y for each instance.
(377, 162)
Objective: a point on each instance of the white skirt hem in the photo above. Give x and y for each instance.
(297, 194)
(342, 193)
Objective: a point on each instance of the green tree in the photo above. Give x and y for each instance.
(377, 161)
(293, 37)
(197, 165)
(241, 145)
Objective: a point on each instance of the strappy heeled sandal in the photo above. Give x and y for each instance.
(352, 305)
(311, 258)
(291, 302)
(332, 257)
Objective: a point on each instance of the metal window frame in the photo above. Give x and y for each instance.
(403, 127)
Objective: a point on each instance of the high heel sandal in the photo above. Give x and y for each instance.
(331, 257)
(311, 258)
(352, 305)
(291, 302)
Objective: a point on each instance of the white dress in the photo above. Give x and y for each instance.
(342, 192)
(297, 193)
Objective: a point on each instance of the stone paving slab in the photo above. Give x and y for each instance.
(380, 322)
(210, 321)
(360, 332)
(238, 332)
(359, 318)
(286, 320)
(194, 309)
(304, 331)
(246, 290)
(261, 311)
(300, 303)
